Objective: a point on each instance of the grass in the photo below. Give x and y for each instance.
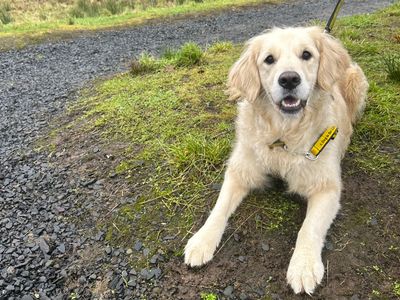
(190, 54)
(5, 16)
(392, 66)
(208, 296)
(396, 289)
(32, 21)
(177, 126)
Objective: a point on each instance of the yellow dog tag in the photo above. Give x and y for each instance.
(320, 144)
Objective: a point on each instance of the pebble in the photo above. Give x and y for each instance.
(265, 246)
(373, 221)
(61, 248)
(138, 245)
(228, 291)
(329, 245)
(243, 296)
(146, 251)
(44, 246)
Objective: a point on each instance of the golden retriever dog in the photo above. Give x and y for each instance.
(295, 86)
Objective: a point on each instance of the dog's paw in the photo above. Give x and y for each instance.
(305, 271)
(199, 249)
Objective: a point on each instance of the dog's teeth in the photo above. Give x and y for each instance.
(297, 103)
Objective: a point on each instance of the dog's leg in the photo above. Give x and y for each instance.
(200, 248)
(306, 269)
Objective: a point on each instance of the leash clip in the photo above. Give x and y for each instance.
(310, 156)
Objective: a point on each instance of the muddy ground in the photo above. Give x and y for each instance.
(361, 255)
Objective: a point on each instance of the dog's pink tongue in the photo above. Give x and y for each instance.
(290, 100)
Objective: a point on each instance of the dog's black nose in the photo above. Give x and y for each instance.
(289, 80)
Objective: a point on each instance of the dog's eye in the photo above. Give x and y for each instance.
(269, 60)
(306, 55)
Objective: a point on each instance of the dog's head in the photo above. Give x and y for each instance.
(287, 65)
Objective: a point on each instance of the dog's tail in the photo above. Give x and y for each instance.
(354, 87)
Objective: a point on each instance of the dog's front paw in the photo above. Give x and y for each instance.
(200, 249)
(305, 271)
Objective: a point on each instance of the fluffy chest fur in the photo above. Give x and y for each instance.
(260, 128)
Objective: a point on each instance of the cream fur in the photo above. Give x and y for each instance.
(335, 89)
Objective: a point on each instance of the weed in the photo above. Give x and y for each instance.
(5, 15)
(376, 293)
(180, 2)
(220, 47)
(190, 54)
(396, 288)
(145, 64)
(168, 53)
(196, 149)
(392, 66)
(42, 16)
(85, 8)
(208, 296)
(114, 7)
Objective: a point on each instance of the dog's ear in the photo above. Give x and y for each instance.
(244, 79)
(334, 60)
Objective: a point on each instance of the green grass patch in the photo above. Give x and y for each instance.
(5, 15)
(178, 127)
(208, 296)
(370, 40)
(392, 65)
(34, 21)
(189, 54)
(396, 289)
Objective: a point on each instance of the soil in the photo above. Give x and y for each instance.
(361, 252)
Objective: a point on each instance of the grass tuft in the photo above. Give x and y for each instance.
(5, 15)
(189, 55)
(392, 66)
(85, 8)
(208, 296)
(114, 7)
(220, 47)
(145, 64)
(396, 288)
(198, 151)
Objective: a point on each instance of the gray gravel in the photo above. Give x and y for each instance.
(39, 245)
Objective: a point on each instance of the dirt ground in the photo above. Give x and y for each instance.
(361, 253)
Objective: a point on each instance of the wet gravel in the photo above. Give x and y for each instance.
(41, 248)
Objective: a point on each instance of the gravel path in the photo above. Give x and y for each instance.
(38, 246)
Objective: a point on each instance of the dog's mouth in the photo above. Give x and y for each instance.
(291, 104)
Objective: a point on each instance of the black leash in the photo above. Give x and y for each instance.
(333, 17)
